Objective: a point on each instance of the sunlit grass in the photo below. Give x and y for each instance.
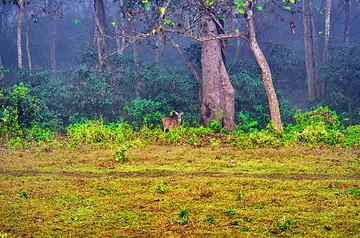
(223, 191)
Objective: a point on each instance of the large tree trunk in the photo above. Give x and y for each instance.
(100, 31)
(265, 69)
(308, 51)
(21, 5)
(218, 94)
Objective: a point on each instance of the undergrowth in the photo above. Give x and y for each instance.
(318, 128)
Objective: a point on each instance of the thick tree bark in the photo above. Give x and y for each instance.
(308, 51)
(100, 39)
(218, 94)
(21, 5)
(265, 69)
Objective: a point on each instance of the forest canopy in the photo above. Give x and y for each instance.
(226, 64)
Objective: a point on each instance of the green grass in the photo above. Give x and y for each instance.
(179, 191)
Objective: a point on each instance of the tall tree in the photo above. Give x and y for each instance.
(346, 21)
(100, 38)
(264, 66)
(218, 94)
(308, 50)
(21, 5)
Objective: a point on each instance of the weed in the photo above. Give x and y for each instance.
(161, 188)
(25, 194)
(240, 196)
(184, 216)
(354, 191)
(230, 212)
(284, 225)
(120, 153)
(209, 219)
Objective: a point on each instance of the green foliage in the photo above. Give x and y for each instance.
(96, 132)
(120, 154)
(341, 74)
(18, 111)
(352, 133)
(354, 191)
(145, 111)
(184, 216)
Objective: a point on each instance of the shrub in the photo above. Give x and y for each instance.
(96, 131)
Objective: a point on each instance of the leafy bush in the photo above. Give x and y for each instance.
(97, 131)
(18, 110)
(352, 134)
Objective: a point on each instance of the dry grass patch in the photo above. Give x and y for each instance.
(226, 192)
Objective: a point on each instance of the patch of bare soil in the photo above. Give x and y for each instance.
(190, 175)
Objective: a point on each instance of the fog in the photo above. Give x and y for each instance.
(141, 62)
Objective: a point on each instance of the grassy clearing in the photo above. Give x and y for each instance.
(179, 191)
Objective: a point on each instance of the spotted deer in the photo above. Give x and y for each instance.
(169, 123)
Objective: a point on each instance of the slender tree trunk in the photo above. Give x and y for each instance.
(218, 94)
(326, 45)
(52, 47)
(265, 69)
(120, 41)
(188, 63)
(28, 48)
(18, 37)
(137, 69)
(346, 22)
(308, 51)
(315, 59)
(100, 32)
(327, 30)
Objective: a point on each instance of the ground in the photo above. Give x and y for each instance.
(179, 191)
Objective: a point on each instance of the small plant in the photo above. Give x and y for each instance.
(209, 219)
(161, 188)
(24, 194)
(230, 212)
(354, 191)
(184, 216)
(120, 154)
(240, 196)
(284, 225)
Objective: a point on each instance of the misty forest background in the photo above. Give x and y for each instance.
(139, 75)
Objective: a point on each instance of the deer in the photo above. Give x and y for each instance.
(169, 123)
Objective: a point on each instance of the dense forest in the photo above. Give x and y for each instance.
(179, 118)
(231, 64)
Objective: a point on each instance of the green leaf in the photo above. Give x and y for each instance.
(76, 21)
(242, 11)
(292, 1)
(167, 21)
(162, 10)
(260, 8)
(209, 3)
(113, 24)
(320, 32)
(288, 8)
